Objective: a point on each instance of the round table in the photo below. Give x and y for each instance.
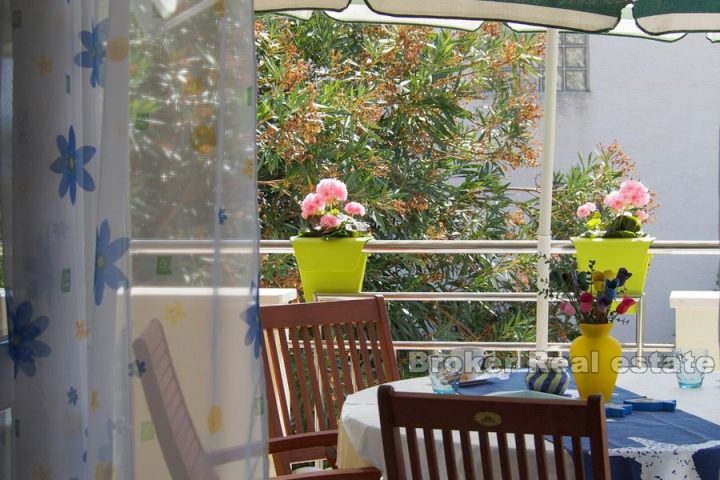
(360, 443)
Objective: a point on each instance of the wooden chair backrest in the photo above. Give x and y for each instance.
(444, 419)
(316, 354)
(184, 455)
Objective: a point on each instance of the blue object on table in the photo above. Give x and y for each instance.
(547, 380)
(645, 404)
(618, 410)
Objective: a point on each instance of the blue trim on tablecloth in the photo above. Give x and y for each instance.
(677, 428)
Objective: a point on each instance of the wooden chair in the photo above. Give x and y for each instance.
(184, 455)
(316, 354)
(445, 419)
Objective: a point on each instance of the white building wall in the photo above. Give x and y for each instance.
(661, 102)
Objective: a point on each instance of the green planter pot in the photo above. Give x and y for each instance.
(613, 253)
(330, 265)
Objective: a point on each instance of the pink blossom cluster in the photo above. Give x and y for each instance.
(328, 222)
(312, 205)
(322, 202)
(332, 190)
(586, 209)
(632, 194)
(635, 193)
(354, 208)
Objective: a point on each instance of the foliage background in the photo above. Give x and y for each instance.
(423, 125)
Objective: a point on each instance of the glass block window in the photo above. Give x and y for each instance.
(572, 64)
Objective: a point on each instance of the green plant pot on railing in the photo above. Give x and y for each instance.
(614, 253)
(330, 265)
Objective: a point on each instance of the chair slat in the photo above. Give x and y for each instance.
(485, 456)
(431, 453)
(467, 455)
(273, 358)
(449, 450)
(334, 364)
(380, 376)
(370, 379)
(559, 451)
(354, 358)
(504, 456)
(540, 453)
(311, 358)
(348, 384)
(521, 452)
(324, 378)
(413, 453)
(305, 422)
(294, 411)
(578, 462)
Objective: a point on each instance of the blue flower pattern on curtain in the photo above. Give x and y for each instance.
(252, 318)
(106, 254)
(69, 250)
(24, 343)
(75, 151)
(71, 165)
(93, 57)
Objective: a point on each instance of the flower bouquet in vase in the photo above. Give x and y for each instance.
(614, 237)
(596, 300)
(329, 252)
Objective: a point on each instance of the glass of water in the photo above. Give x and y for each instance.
(445, 370)
(691, 365)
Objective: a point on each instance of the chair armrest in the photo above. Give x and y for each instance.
(326, 438)
(366, 473)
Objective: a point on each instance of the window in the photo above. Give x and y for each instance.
(572, 64)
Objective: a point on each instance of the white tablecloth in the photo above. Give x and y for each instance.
(360, 441)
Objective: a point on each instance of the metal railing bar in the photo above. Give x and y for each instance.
(513, 346)
(200, 247)
(436, 296)
(447, 296)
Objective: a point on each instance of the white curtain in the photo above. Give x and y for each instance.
(125, 132)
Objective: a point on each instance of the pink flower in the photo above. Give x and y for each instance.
(328, 222)
(615, 200)
(331, 190)
(586, 302)
(567, 308)
(642, 215)
(635, 193)
(354, 208)
(312, 205)
(586, 209)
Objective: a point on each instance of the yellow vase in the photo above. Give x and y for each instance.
(595, 359)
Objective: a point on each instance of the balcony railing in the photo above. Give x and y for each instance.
(232, 247)
(443, 247)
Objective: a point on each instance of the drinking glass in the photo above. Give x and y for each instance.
(690, 365)
(445, 370)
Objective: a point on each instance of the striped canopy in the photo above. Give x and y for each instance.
(652, 16)
(666, 16)
(626, 27)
